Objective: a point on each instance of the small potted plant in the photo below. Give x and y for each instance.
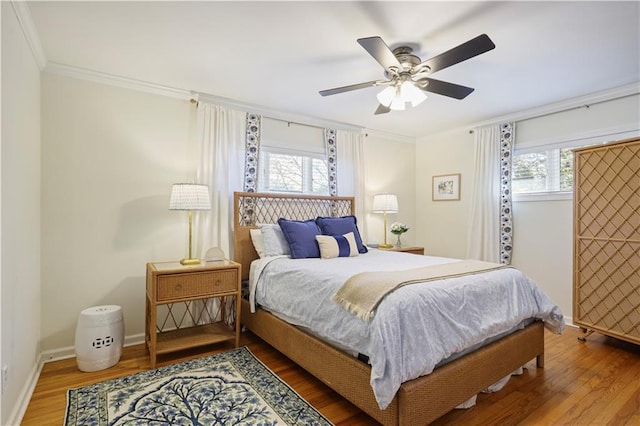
(398, 229)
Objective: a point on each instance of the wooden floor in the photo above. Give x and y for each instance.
(592, 383)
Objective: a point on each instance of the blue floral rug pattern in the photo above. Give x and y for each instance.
(232, 388)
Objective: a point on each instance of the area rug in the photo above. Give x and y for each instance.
(232, 388)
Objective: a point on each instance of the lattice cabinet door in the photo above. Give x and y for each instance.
(606, 276)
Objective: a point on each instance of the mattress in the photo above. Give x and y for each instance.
(415, 327)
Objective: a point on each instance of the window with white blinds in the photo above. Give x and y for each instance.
(293, 158)
(540, 168)
(548, 170)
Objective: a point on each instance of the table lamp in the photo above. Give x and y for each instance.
(385, 203)
(189, 197)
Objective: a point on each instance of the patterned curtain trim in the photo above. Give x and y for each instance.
(507, 131)
(330, 140)
(252, 151)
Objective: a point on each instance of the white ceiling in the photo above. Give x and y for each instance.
(278, 55)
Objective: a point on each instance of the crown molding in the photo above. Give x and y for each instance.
(114, 80)
(148, 87)
(23, 14)
(145, 86)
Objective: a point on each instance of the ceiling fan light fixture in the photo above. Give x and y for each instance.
(386, 96)
(397, 104)
(396, 96)
(410, 93)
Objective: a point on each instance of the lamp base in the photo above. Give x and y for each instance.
(385, 246)
(190, 261)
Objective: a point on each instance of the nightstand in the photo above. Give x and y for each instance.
(412, 250)
(179, 311)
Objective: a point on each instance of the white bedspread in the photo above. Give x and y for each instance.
(416, 326)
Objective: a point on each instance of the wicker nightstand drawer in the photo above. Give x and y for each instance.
(179, 286)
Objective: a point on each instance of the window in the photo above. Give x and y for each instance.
(292, 158)
(543, 171)
(293, 172)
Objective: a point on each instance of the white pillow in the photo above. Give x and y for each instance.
(273, 240)
(257, 240)
(337, 246)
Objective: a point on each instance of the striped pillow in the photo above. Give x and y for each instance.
(337, 245)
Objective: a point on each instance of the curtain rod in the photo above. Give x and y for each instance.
(289, 123)
(623, 92)
(196, 97)
(586, 106)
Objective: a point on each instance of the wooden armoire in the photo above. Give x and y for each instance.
(606, 278)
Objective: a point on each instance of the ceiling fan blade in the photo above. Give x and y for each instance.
(444, 88)
(382, 109)
(468, 50)
(351, 87)
(381, 53)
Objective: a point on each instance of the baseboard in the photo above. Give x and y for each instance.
(69, 351)
(569, 321)
(15, 418)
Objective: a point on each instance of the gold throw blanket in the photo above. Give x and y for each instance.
(362, 293)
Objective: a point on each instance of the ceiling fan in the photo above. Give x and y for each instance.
(407, 77)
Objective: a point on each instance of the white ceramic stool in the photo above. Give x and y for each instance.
(99, 337)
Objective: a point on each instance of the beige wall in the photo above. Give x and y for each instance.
(390, 167)
(442, 225)
(20, 224)
(109, 158)
(543, 246)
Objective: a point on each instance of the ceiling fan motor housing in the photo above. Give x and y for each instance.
(409, 62)
(406, 57)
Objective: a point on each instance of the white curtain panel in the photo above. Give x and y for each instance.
(483, 241)
(350, 162)
(221, 134)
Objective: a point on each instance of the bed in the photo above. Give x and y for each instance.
(417, 401)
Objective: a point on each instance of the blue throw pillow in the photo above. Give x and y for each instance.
(301, 236)
(340, 226)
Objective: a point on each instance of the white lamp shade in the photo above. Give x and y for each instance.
(189, 196)
(410, 93)
(397, 104)
(395, 97)
(386, 96)
(385, 203)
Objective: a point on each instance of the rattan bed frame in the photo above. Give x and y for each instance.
(417, 402)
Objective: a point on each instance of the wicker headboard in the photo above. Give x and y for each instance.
(252, 208)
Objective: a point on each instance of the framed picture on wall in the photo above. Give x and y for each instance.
(446, 188)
